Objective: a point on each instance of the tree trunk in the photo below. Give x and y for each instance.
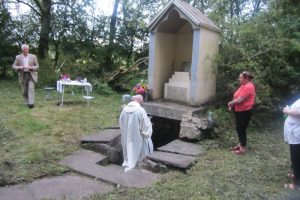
(231, 9)
(113, 21)
(237, 8)
(202, 6)
(45, 28)
(256, 7)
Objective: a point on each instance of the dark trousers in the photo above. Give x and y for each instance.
(295, 159)
(242, 119)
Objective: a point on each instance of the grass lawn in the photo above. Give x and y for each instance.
(34, 141)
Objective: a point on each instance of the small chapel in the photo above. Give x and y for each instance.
(183, 44)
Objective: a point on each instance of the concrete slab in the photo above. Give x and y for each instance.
(109, 173)
(18, 192)
(67, 187)
(84, 157)
(171, 159)
(181, 147)
(62, 187)
(108, 136)
(170, 110)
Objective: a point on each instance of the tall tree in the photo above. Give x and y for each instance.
(43, 9)
(45, 14)
(6, 45)
(113, 21)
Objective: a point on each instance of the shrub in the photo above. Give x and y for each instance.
(47, 75)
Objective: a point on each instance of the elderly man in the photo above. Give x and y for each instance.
(26, 64)
(136, 130)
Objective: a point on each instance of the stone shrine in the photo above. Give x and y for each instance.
(183, 44)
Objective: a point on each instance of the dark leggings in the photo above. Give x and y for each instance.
(295, 159)
(242, 119)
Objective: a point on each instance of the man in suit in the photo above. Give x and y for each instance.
(27, 65)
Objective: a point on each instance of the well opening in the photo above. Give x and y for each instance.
(164, 131)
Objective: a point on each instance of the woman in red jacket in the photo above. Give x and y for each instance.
(242, 103)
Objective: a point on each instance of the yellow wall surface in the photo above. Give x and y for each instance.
(209, 47)
(163, 64)
(183, 50)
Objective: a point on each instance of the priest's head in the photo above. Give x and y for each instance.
(138, 98)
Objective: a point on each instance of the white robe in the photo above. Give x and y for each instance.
(136, 132)
(292, 126)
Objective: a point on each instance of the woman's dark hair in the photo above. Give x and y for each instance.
(247, 75)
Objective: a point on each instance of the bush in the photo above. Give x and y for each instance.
(101, 88)
(225, 123)
(47, 75)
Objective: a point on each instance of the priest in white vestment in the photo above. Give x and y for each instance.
(136, 131)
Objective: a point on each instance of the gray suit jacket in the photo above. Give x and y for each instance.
(32, 61)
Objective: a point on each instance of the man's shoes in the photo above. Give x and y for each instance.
(30, 106)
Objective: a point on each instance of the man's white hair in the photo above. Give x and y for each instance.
(139, 98)
(24, 46)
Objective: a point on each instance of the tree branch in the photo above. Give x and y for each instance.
(249, 58)
(30, 6)
(121, 71)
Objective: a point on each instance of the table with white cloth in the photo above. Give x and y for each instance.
(60, 87)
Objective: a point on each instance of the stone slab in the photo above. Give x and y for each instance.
(171, 159)
(18, 192)
(67, 187)
(83, 157)
(176, 93)
(107, 136)
(62, 187)
(181, 147)
(114, 174)
(170, 110)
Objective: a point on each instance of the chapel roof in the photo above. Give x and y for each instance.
(192, 14)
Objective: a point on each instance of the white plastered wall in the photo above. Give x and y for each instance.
(206, 82)
(184, 46)
(163, 63)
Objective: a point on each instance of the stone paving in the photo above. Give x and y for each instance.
(63, 187)
(181, 147)
(85, 162)
(100, 174)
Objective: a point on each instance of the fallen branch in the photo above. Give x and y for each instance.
(121, 71)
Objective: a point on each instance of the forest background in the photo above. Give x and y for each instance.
(262, 36)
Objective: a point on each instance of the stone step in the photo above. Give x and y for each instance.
(178, 84)
(114, 154)
(108, 136)
(111, 173)
(61, 187)
(177, 73)
(177, 93)
(84, 158)
(183, 148)
(171, 159)
(179, 78)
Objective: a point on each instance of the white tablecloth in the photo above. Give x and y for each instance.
(59, 85)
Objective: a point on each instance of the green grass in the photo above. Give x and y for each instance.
(34, 141)
(260, 174)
